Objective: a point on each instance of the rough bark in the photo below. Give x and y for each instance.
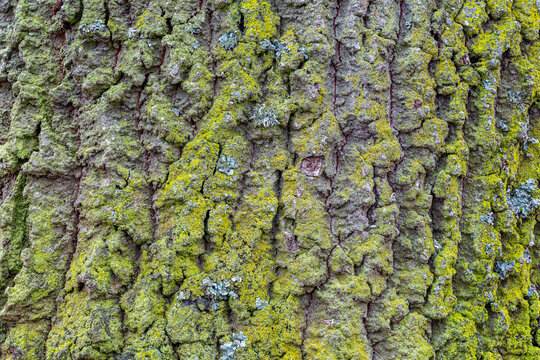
(340, 179)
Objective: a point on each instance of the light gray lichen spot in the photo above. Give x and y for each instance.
(521, 201)
(192, 29)
(504, 268)
(93, 27)
(226, 165)
(487, 218)
(276, 46)
(264, 116)
(230, 348)
(219, 291)
(229, 41)
(260, 304)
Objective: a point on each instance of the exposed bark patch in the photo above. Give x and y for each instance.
(291, 242)
(312, 166)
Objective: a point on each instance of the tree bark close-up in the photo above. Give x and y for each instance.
(265, 179)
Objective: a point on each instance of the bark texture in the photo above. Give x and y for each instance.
(243, 179)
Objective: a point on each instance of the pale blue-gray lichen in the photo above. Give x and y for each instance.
(521, 201)
(264, 116)
(230, 348)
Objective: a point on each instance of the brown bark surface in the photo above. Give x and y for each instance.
(243, 179)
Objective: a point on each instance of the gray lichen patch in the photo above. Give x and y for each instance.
(95, 26)
(276, 46)
(226, 165)
(229, 40)
(230, 348)
(521, 201)
(264, 116)
(487, 218)
(504, 268)
(260, 304)
(221, 291)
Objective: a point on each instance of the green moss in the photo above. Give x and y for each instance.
(15, 231)
(98, 81)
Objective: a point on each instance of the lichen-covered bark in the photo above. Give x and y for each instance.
(244, 179)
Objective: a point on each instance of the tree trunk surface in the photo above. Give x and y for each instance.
(243, 179)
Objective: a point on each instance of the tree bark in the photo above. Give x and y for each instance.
(220, 179)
